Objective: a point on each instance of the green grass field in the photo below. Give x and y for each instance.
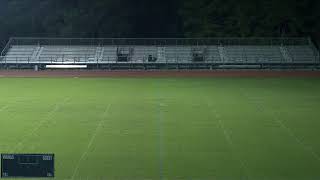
(166, 128)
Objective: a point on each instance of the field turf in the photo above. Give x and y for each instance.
(166, 128)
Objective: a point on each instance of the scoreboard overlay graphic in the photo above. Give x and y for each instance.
(27, 165)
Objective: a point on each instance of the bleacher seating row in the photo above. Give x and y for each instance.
(159, 54)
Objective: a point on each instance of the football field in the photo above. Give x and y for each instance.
(166, 128)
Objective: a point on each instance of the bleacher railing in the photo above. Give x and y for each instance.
(6, 48)
(315, 51)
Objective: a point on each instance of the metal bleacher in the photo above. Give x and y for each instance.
(65, 54)
(143, 54)
(160, 53)
(20, 53)
(178, 54)
(213, 54)
(301, 54)
(109, 54)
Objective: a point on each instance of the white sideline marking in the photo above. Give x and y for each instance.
(229, 140)
(91, 140)
(44, 120)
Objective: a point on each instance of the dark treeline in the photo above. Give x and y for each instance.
(159, 18)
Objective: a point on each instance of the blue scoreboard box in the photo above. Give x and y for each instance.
(27, 165)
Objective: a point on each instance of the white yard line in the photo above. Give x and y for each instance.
(160, 117)
(4, 108)
(229, 141)
(43, 121)
(290, 132)
(160, 131)
(298, 140)
(84, 154)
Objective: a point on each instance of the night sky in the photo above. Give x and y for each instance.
(159, 18)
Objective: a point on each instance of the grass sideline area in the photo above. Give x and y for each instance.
(166, 128)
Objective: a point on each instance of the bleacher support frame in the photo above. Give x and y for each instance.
(97, 63)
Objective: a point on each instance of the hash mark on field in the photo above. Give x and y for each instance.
(105, 113)
(229, 140)
(43, 121)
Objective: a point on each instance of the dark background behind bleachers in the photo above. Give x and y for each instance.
(165, 18)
